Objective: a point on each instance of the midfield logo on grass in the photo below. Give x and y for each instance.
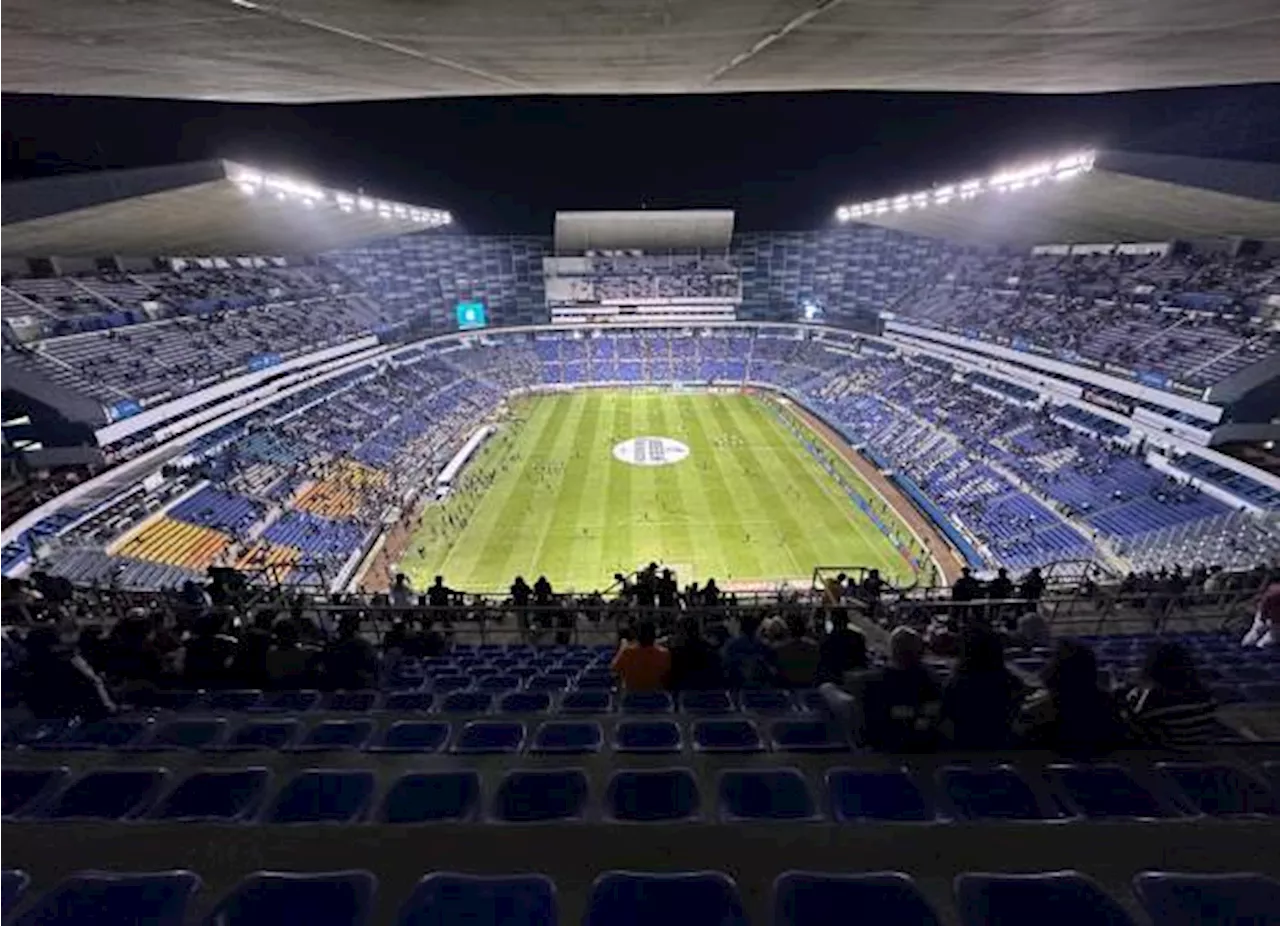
(650, 451)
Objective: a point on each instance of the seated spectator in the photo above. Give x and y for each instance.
(982, 697)
(1001, 587)
(132, 657)
(1032, 586)
(1072, 715)
(797, 655)
(1265, 620)
(55, 682)
(249, 664)
(401, 593)
(695, 664)
(349, 662)
(965, 588)
(833, 589)
(1170, 706)
(748, 662)
(206, 658)
(841, 650)
(289, 664)
(642, 665)
(1033, 630)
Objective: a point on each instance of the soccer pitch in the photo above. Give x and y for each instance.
(721, 489)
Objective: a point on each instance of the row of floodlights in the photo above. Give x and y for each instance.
(284, 189)
(1005, 181)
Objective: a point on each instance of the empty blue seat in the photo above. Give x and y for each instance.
(184, 734)
(447, 899)
(807, 736)
(767, 702)
(653, 795)
(1106, 791)
(695, 898)
(765, 794)
(726, 736)
(567, 737)
(525, 702)
(409, 701)
(646, 702)
(259, 735)
(886, 898)
(413, 736)
(877, 794)
(356, 702)
(998, 793)
(446, 684)
(163, 700)
(334, 735)
(323, 796)
(13, 884)
(234, 700)
(21, 788)
(223, 794)
(269, 898)
(1261, 692)
(490, 736)
(103, 734)
(499, 683)
(706, 702)
(432, 797)
(1174, 899)
(532, 795)
(595, 681)
(100, 898)
(1219, 789)
(467, 702)
(288, 702)
(549, 682)
(646, 736)
(107, 794)
(1058, 898)
(586, 702)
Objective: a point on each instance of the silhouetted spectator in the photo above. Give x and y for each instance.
(748, 662)
(982, 697)
(1001, 587)
(667, 591)
(249, 664)
(966, 587)
(1032, 586)
(289, 664)
(206, 659)
(401, 594)
(349, 663)
(1072, 715)
(1170, 706)
(797, 656)
(55, 682)
(439, 595)
(642, 665)
(695, 664)
(841, 650)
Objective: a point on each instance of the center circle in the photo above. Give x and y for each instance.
(650, 451)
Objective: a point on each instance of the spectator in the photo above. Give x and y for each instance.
(1001, 587)
(288, 663)
(748, 663)
(56, 683)
(1170, 706)
(695, 664)
(249, 664)
(1072, 715)
(1032, 586)
(841, 650)
(439, 595)
(797, 656)
(401, 594)
(833, 589)
(982, 697)
(1033, 630)
(668, 592)
(966, 587)
(711, 593)
(206, 659)
(642, 665)
(349, 663)
(1265, 619)
(132, 657)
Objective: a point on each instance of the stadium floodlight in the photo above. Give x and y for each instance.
(843, 214)
(446, 217)
(366, 205)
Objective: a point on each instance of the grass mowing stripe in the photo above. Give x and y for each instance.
(697, 484)
(569, 545)
(719, 482)
(619, 518)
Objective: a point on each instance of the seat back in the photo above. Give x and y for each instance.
(878, 795)
(107, 794)
(429, 797)
(765, 794)
(646, 736)
(234, 700)
(1208, 900)
(102, 734)
(653, 795)
(13, 884)
(806, 736)
(338, 734)
(215, 794)
(263, 734)
(415, 736)
(188, 734)
(1058, 898)
(490, 736)
(706, 702)
(530, 795)
(567, 737)
(409, 701)
(1106, 791)
(696, 898)
(447, 899)
(21, 787)
(646, 702)
(886, 898)
(586, 702)
(323, 796)
(339, 898)
(525, 702)
(467, 702)
(727, 736)
(998, 793)
(1219, 789)
(99, 898)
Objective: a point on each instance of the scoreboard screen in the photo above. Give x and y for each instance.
(471, 315)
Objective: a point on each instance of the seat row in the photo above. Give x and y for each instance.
(627, 898)
(958, 792)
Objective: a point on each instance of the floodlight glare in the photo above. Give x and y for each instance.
(842, 214)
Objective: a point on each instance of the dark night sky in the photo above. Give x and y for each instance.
(506, 165)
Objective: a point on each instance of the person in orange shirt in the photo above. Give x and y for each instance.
(642, 665)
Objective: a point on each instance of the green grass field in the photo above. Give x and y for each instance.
(749, 504)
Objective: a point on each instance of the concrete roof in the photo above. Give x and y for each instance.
(179, 210)
(296, 51)
(647, 229)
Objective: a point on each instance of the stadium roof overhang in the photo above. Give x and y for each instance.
(1125, 197)
(645, 230)
(191, 210)
(296, 51)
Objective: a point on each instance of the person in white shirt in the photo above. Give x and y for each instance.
(1263, 632)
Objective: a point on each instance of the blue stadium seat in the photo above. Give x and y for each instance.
(765, 794)
(766, 702)
(1058, 898)
(270, 898)
(653, 795)
(646, 702)
(334, 736)
(567, 737)
(587, 702)
(467, 702)
(1173, 899)
(535, 795)
(1218, 789)
(807, 736)
(234, 700)
(596, 681)
(353, 702)
(1106, 791)
(215, 794)
(549, 682)
(323, 796)
(646, 736)
(103, 734)
(1271, 770)
(107, 794)
(883, 795)
(254, 735)
(183, 734)
(13, 884)
(100, 898)
(525, 702)
(447, 899)
(22, 788)
(167, 700)
(810, 699)
(499, 683)
(885, 898)
(997, 793)
(288, 702)
(409, 701)
(447, 684)
(726, 736)
(32, 732)
(696, 898)
(432, 797)
(413, 736)
(490, 736)
(706, 702)
(1261, 692)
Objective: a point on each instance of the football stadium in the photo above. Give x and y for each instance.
(919, 566)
